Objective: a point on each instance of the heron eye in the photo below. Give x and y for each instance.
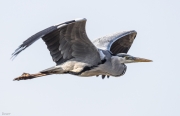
(126, 57)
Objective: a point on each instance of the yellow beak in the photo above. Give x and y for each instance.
(142, 60)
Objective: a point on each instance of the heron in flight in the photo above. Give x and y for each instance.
(75, 54)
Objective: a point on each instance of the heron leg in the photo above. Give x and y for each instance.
(26, 76)
(103, 76)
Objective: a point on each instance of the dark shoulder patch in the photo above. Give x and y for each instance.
(86, 68)
(102, 61)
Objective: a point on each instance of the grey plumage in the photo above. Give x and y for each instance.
(74, 53)
(119, 42)
(65, 41)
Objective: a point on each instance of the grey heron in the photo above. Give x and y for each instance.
(75, 54)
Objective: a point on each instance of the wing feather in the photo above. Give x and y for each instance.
(116, 43)
(66, 41)
(32, 39)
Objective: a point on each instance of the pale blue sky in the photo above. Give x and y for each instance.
(147, 89)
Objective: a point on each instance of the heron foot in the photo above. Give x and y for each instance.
(103, 76)
(24, 76)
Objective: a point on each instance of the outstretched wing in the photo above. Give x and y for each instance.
(116, 43)
(65, 41)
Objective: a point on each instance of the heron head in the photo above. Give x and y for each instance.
(125, 58)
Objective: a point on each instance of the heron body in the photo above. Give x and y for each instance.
(110, 65)
(75, 54)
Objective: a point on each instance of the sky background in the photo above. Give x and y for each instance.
(147, 89)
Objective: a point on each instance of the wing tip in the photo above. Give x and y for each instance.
(126, 32)
(133, 31)
(17, 51)
(80, 19)
(71, 21)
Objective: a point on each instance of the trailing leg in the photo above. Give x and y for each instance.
(26, 76)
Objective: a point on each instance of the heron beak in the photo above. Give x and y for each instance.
(141, 60)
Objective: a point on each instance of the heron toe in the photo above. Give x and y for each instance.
(23, 77)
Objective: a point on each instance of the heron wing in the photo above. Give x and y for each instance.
(116, 43)
(65, 41)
